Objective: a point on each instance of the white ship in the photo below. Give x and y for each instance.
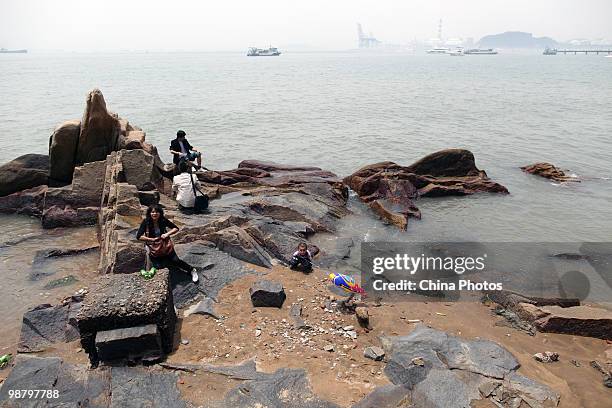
(457, 52)
(259, 52)
(5, 51)
(478, 51)
(438, 50)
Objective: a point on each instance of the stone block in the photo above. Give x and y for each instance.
(129, 342)
(266, 293)
(123, 301)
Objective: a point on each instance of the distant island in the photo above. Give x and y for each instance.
(516, 39)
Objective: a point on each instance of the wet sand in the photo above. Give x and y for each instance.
(346, 368)
(233, 339)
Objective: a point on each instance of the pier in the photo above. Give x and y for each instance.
(585, 52)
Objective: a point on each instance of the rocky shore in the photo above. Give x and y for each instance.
(252, 332)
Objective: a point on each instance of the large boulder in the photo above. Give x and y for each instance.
(446, 163)
(100, 130)
(390, 189)
(62, 149)
(27, 171)
(436, 369)
(77, 204)
(26, 202)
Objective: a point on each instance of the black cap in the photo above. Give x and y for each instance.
(180, 133)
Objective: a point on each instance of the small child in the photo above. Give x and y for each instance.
(302, 258)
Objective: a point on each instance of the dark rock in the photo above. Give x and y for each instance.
(45, 325)
(276, 237)
(270, 166)
(549, 171)
(62, 150)
(363, 317)
(56, 217)
(123, 301)
(76, 385)
(25, 172)
(246, 370)
(148, 198)
(137, 387)
(204, 307)
(446, 163)
(570, 256)
(579, 321)
(298, 207)
(295, 313)
(283, 388)
(514, 321)
(132, 342)
(441, 370)
(390, 189)
(266, 293)
(61, 252)
(26, 202)
(374, 353)
(239, 244)
(557, 315)
(389, 395)
(217, 269)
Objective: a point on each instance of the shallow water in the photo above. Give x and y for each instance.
(23, 282)
(344, 110)
(338, 111)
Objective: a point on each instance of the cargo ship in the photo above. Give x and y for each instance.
(259, 52)
(478, 51)
(438, 50)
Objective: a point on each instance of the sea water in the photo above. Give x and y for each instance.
(341, 111)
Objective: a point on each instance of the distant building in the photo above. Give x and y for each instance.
(366, 41)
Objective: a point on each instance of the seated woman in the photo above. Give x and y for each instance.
(156, 230)
(185, 185)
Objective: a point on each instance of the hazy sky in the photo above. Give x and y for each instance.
(324, 24)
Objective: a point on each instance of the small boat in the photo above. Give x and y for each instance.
(5, 51)
(478, 51)
(438, 50)
(259, 52)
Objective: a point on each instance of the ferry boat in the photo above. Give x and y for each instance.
(478, 51)
(5, 51)
(259, 52)
(457, 53)
(549, 51)
(438, 50)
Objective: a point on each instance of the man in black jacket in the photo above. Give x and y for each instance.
(182, 150)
